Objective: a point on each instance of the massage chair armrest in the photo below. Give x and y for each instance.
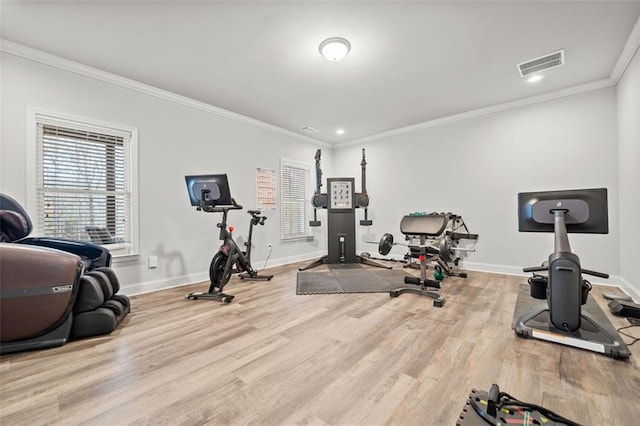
(23, 266)
(95, 256)
(37, 289)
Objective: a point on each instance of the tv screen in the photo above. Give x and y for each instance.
(586, 210)
(216, 189)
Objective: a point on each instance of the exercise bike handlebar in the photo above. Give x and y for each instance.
(534, 269)
(595, 273)
(584, 271)
(220, 209)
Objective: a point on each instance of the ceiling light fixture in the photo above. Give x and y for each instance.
(334, 48)
(340, 131)
(534, 78)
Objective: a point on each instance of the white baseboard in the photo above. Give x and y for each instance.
(630, 289)
(183, 280)
(612, 281)
(148, 286)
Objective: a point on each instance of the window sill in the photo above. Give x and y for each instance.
(121, 258)
(300, 238)
(121, 252)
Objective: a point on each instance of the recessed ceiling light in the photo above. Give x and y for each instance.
(534, 78)
(340, 131)
(334, 48)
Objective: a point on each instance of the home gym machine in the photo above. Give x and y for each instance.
(211, 194)
(437, 236)
(565, 290)
(341, 202)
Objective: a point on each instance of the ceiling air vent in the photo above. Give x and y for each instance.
(545, 62)
(310, 129)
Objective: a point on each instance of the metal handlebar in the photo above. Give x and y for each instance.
(535, 269)
(595, 273)
(584, 271)
(220, 209)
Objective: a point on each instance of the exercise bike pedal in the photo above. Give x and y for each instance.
(222, 297)
(256, 277)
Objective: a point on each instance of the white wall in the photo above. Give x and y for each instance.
(174, 140)
(476, 168)
(628, 92)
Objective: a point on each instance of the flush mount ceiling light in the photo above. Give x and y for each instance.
(334, 48)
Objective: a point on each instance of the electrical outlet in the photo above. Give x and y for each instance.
(153, 262)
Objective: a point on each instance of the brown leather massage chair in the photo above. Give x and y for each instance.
(52, 289)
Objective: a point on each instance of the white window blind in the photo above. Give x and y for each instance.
(296, 200)
(84, 183)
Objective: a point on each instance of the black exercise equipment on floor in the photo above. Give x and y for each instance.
(211, 194)
(433, 239)
(341, 202)
(625, 308)
(565, 290)
(499, 408)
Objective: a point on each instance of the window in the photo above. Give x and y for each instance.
(296, 199)
(85, 182)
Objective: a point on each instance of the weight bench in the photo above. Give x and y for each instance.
(440, 232)
(433, 238)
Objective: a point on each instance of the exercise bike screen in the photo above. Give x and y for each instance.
(217, 185)
(586, 210)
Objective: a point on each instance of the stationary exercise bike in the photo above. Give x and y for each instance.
(211, 194)
(562, 319)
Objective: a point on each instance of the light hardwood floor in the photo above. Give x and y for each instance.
(272, 357)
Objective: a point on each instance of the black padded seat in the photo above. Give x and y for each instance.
(431, 225)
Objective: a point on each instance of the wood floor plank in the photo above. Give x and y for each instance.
(274, 357)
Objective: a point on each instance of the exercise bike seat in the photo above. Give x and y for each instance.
(431, 225)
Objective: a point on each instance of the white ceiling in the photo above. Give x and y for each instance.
(410, 62)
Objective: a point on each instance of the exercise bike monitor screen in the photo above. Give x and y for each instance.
(218, 186)
(586, 210)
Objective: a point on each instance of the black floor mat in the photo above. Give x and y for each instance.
(355, 279)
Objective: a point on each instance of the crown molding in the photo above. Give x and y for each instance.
(36, 55)
(631, 46)
(629, 50)
(570, 91)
